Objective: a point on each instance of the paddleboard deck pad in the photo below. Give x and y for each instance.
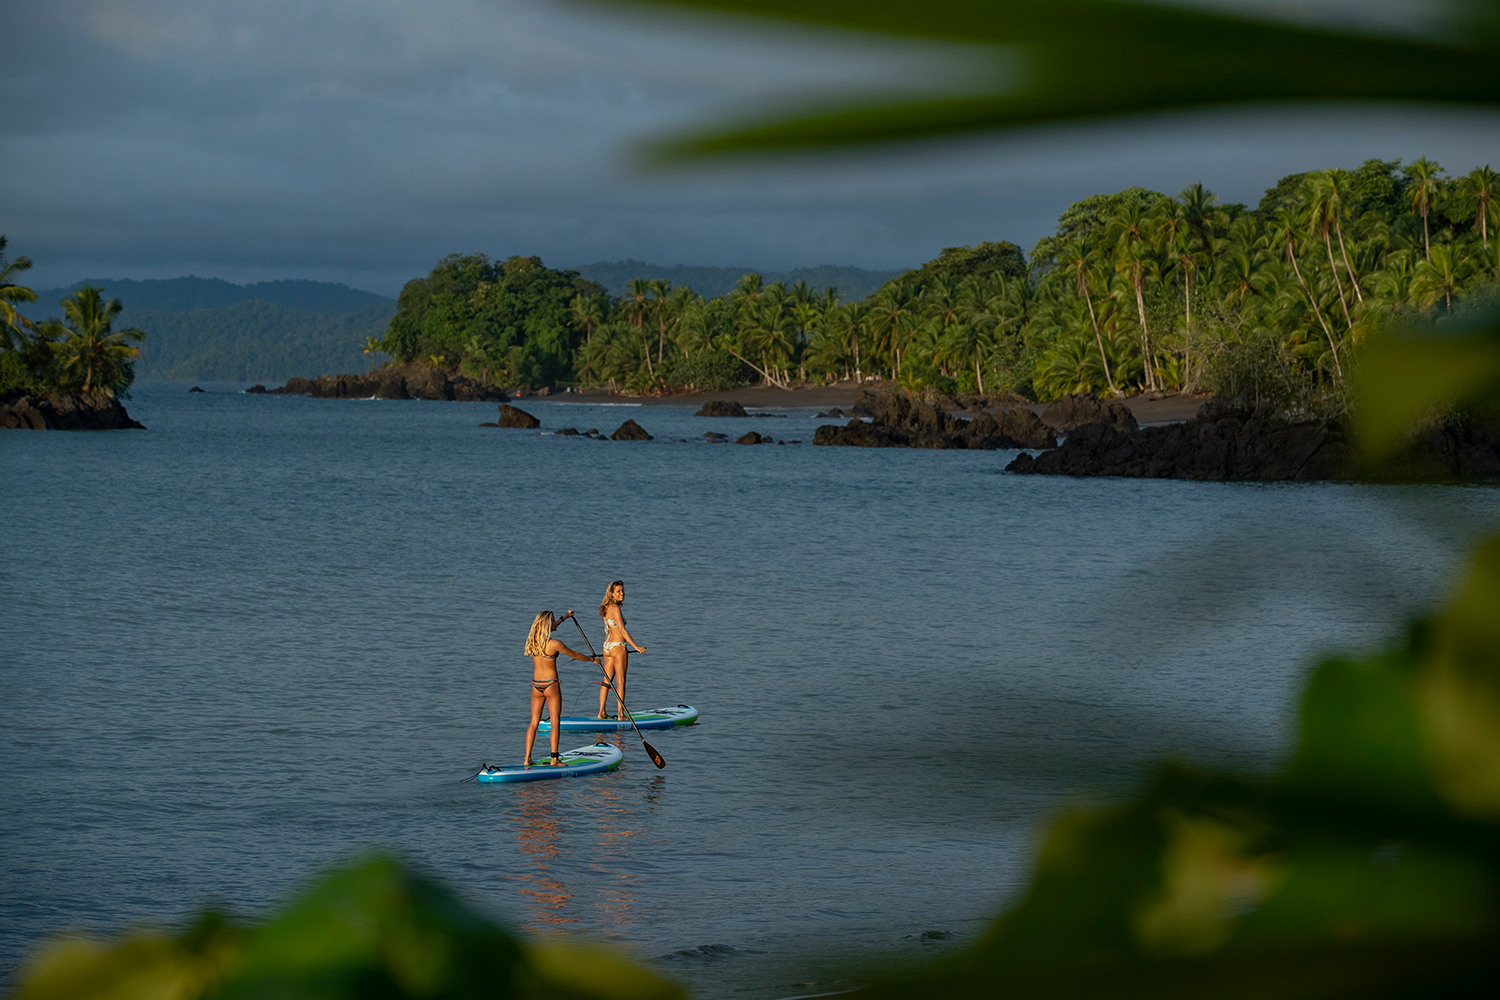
(585, 760)
(657, 718)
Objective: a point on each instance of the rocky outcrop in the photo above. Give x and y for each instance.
(410, 381)
(256, 390)
(754, 438)
(194, 389)
(721, 408)
(1240, 441)
(899, 421)
(1085, 408)
(510, 416)
(630, 431)
(94, 410)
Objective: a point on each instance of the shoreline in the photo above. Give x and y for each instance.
(1171, 409)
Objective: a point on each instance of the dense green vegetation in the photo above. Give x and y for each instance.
(81, 353)
(1135, 291)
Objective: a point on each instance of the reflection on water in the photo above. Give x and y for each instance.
(538, 835)
(612, 808)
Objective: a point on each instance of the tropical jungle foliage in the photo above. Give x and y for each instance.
(81, 353)
(1135, 291)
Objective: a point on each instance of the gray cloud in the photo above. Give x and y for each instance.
(359, 141)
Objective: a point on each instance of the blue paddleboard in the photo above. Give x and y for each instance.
(657, 718)
(584, 760)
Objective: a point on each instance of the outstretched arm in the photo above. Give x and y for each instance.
(562, 647)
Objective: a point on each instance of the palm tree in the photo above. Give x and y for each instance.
(1442, 274)
(1284, 232)
(659, 290)
(1423, 194)
(11, 293)
(1080, 265)
(1203, 214)
(1130, 231)
(895, 306)
(1480, 187)
(90, 345)
(636, 307)
(587, 311)
(1324, 205)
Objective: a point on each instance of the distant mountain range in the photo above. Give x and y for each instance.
(852, 282)
(211, 329)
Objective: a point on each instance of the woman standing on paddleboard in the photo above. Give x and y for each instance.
(615, 653)
(545, 687)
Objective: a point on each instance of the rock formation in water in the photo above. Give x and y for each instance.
(511, 416)
(721, 408)
(1242, 441)
(409, 381)
(630, 431)
(95, 410)
(753, 438)
(899, 421)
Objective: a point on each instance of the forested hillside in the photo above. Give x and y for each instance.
(255, 342)
(206, 328)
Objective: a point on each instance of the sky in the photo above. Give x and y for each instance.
(362, 140)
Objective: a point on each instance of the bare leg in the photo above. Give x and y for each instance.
(609, 670)
(620, 712)
(536, 717)
(554, 708)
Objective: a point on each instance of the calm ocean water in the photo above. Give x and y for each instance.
(271, 632)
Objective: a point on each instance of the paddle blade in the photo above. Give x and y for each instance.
(656, 758)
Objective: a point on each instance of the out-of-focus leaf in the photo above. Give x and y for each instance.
(141, 967)
(1093, 58)
(376, 927)
(1403, 377)
(566, 969)
(1460, 691)
(371, 930)
(1362, 736)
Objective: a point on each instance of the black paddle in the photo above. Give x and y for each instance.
(656, 758)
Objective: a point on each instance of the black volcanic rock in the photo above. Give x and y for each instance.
(94, 410)
(1073, 411)
(193, 390)
(256, 390)
(630, 431)
(407, 381)
(903, 422)
(721, 408)
(510, 416)
(567, 432)
(753, 438)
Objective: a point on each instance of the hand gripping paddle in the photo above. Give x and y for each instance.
(656, 758)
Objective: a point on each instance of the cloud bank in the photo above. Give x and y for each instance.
(360, 140)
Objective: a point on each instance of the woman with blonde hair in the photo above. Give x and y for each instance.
(545, 687)
(615, 654)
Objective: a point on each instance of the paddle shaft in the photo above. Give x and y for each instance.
(656, 758)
